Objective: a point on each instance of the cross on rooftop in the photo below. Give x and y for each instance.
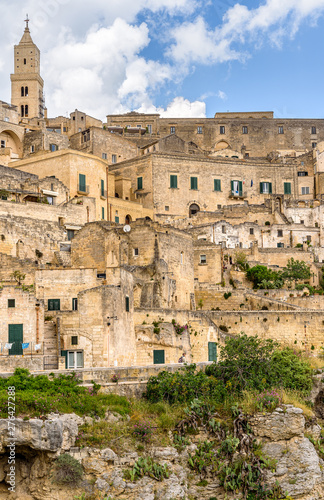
(27, 21)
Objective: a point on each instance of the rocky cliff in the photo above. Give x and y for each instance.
(283, 434)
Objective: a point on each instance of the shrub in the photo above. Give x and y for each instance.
(292, 370)
(223, 328)
(267, 400)
(147, 467)
(67, 470)
(227, 295)
(143, 430)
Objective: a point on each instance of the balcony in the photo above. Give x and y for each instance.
(82, 189)
(103, 195)
(237, 194)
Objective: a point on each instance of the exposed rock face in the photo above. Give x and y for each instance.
(298, 468)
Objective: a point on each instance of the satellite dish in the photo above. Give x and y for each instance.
(126, 228)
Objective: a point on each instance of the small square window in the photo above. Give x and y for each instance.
(222, 129)
(3, 144)
(172, 130)
(219, 207)
(104, 156)
(280, 129)
(74, 340)
(199, 130)
(244, 130)
(251, 230)
(280, 245)
(313, 130)
(166, 208)
(11, 303)
(280, 233)
(247, 155)
(113, 158)
(314, 144)
(301, 222)
(203, 259)
(135, 251)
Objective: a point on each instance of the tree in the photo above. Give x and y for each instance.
(262, 277)
(296, 270)
(18, 276)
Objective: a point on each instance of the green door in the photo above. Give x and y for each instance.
(16, 338)
(212, 351)
(158, 357)
(64, 353)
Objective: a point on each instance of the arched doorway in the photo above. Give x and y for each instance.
(193, 209)
(278, 204)
(128, 219)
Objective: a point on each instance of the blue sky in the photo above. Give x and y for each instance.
(176, 57)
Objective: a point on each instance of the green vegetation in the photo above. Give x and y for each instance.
(36, 396)
(67, 470)
(263, 277)
(147, 467)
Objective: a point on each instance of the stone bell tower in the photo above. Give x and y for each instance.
(26, 82)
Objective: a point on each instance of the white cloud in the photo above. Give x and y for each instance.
(221, 95)
(179, 107)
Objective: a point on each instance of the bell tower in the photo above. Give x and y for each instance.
(26, 82)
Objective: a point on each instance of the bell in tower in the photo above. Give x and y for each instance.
(26, 83)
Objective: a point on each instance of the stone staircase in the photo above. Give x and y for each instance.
(63, 258)
(50, 346)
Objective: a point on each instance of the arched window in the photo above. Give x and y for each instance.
(128, 219)
(22, 111)
(26, 110)
(26, 91)
(22, 91)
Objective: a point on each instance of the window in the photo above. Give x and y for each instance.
(236, 188)
(166, 208)
(104, 156)
(223, 229)
(313, 130)
(113, 158)
(222, 129)
(102, 187)
(74, 304)
(173, 181)
(172, 130)
(6, 118)
(22, 111)
(199, 130)
(314, 144)
(244, 130)
(251, 230)
(127, 303)
(265, 187)
(280, 245)
(280, 233)
(11, 303)
(181, 258)
(247, 155)
(212, 351)
(22, 91)
(117, 219)
(301, 222)
(54, 305)
(74, 359)
(3, 143)
(135, 252)
(103, 213)
(203, 259)
(194, 183)
(287, 188)
(158, 357)
(305, 190)
(74, 340)
(280, 129)
(82, 183)
(25, 61)
(308, 238)
(32, 149)
(219, 207)
(53, 147)
(70, 234)
(149, 129)
(26, 110)
(139, 182)
(217, 185)
(302, 174)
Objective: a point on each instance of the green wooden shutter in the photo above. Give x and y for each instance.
(54, 305)
(158, 357)
(287, 188)
(64, 353)
(240, 188)
(217, 185)
(102, 188)
(193, 183)
(270, 188)
(212, 351)
(232, 186)
(173, 181)
(127, 304)
(103, 213)
(139, 182)
(15, 336)
(82, 183)
(261, 187)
